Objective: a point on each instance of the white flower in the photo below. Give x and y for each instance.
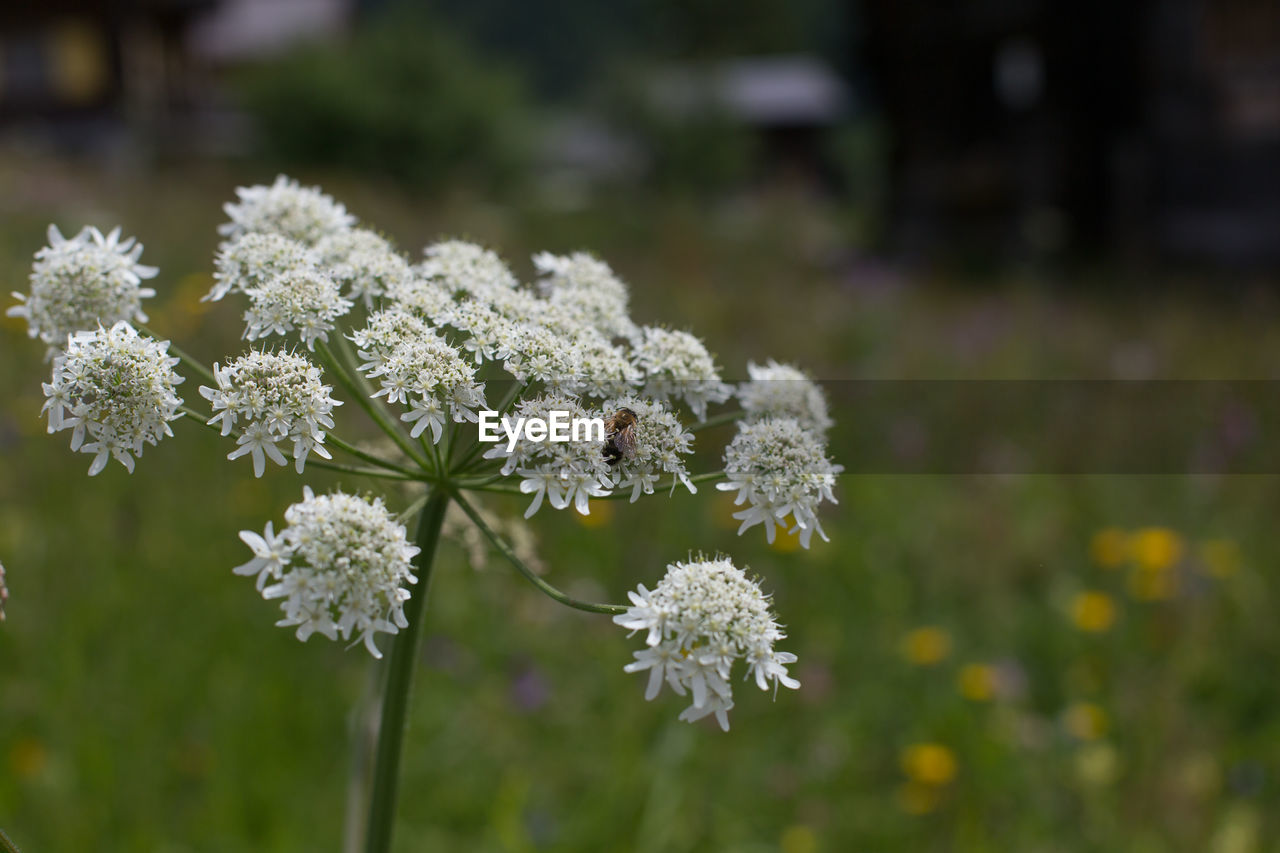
(677, 365)
(780, 390)
(115, 390)
(565, 473)
(415, 366)
(365, 263)
(280, 396)
(253, 259)
(463, 268)
(586, 288)
(702, 617)
(341, 566)
(780, 468)
(83, 282)
(301, 299)
(300, 213)
(659, 442)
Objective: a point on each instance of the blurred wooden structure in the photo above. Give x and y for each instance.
(1030, 126)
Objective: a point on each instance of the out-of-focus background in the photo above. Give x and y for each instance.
(872, 190)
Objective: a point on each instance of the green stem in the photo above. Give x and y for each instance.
(369, 457)
(6, 844)
(509, 552)
(621, 494)
(717, 420)
(197, 366)
(375, 413)
(400, 666)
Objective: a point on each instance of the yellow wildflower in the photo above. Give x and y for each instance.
(1093, 611)
(977, 682)
(926, 646)
(1110, 547)
(1155, 548)
(929, 763)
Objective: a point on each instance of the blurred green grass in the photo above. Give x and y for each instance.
(149, 704)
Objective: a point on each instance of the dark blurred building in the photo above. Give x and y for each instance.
(1039, 125)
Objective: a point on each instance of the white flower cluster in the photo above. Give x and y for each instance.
(417, 367)
(781, 469)
(659, 440)
(363, 263)
(780, 390)
(566, 473)
(81, 283)
(306, 300)
(280, 397)
(677, 365)
(300, 213)
(702, 617)
(251, 260)
(114, 388)
(341, 567)
(586, 290)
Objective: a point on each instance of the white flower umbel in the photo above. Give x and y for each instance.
(415, 366)
(463, 268)
(300, 213)
(115, 390)
(253, 259)
(702, 617)
(587, 289)
(780, 390)
(341, 566)
(364, 263)
(779, 468)
(304, 300)
(659, 442)
(566, 473)
(278, 396)
(83, 282)
(677, 365)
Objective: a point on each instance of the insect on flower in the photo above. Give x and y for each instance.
(620, 436)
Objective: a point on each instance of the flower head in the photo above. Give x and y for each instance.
(253, 259)
(302, 299)
(83, 282)
(114, 388)
(702, 617)
(780, 390)
(658, 442)
(341, 567)
(463, 268)
(300, 213)
(279, 397)
(676, 365)
(779, 468)
(586, 289)
(364, 263)
(566, 473)
(417, 367)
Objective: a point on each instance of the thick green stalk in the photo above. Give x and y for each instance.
(400, 666)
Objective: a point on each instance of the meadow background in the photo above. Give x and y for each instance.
(1028, 662)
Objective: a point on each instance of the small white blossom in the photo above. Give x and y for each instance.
(565, 473)
(463, 268)
(702, 617)
(300, 213)
(115, 390)
(779, 468)
(677, 365)
(280, 397)
(659, 442)
(364, 263)
(586, 288)
(83, 282)
(304, 300)
(780, 390)
(415, 366)
(253, 259)
(341, 566)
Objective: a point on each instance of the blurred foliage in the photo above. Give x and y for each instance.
(404, 97)
(988, 663)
